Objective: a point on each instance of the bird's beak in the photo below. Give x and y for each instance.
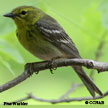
(10, 15)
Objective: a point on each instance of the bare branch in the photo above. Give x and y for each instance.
(70, 90)
(54, 101)
(39, 66)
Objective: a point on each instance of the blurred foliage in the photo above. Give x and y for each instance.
(84, 20)
(103, 7)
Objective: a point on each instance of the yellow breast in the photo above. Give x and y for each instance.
(37, 45)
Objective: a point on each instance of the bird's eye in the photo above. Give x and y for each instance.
(23, 12)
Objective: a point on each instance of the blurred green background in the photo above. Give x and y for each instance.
(84, 20)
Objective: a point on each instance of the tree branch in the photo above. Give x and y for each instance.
(30, 68)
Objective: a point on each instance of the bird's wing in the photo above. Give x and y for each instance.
(55, 34)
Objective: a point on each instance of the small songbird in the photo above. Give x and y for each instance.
(43, 36)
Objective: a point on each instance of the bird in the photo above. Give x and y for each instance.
(46, 39)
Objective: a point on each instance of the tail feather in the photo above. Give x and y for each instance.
(90, 85)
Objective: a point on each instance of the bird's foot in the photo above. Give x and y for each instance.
(51, 64)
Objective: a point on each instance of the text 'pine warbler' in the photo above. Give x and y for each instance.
(41, 35)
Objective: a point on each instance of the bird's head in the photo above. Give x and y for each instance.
(24, 15)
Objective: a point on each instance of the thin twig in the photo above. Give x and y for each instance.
(54, 101)
(70, 90)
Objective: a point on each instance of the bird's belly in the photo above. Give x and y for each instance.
(40, 47)
(47, 52)
(44, 51)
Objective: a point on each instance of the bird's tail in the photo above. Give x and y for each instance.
(90, 85)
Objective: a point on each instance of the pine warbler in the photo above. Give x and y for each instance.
(42, 35)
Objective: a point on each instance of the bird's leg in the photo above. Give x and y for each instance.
(51, 65)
